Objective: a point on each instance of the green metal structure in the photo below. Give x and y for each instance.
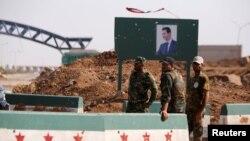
(70, 57)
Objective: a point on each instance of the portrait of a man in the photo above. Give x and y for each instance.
(168, 44)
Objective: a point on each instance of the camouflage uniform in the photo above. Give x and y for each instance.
(195, 94)
(4, 105)
(173, 88)
(139, 84)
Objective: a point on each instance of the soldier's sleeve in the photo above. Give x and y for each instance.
(166, 89)
(206, 83)
(153, 89)
(130, 86)
(189, 86)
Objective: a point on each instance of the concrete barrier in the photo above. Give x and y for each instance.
(49, 103)
(155, 108)
(235, 114)
(48, 126)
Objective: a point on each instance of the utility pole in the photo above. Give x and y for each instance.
(240, 28)
(15, 55)
(2, 52)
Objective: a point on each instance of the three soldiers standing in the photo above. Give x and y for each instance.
(173, 92)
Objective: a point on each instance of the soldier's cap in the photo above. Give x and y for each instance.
(198, 59)
(168, 60)
(140, 59)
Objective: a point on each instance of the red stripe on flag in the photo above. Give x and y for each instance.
(134, 10)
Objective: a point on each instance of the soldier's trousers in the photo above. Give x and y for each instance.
(194, 126)
(136, 108)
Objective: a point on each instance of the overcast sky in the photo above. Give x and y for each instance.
(219, 23)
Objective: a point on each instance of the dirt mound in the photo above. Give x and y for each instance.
(222, 93)
(95, 79)
(239, 62)
(2, 77)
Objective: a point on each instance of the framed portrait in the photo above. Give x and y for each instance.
(166, 40)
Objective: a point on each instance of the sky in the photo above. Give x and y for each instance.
(219, 23)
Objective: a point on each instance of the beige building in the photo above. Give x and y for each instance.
(219, 52)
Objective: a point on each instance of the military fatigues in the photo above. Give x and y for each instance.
(173, 88)
(195, 95)
(4, 105)
(139, 84)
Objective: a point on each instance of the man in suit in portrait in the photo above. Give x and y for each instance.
(168, 47)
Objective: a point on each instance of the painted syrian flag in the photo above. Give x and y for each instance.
(108, 135)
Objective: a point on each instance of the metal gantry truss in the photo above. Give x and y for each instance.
(42, 36)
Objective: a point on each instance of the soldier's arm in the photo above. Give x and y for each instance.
(166, 90)
(166, 97)
(206, 88)
(188, 90)
(205, 95)
(130, 86)
(153, 89)
(204, 100)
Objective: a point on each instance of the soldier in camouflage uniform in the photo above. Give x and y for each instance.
(4, 105)
(139, 84)
(172, 89)
(197, 98)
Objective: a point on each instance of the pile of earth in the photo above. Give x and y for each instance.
(2, 77)
(95, 79)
